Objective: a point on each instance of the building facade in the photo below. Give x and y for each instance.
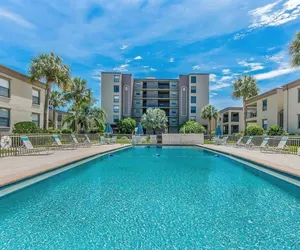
(291, 115)
(266, 109)
(182, 99)
(56, 119)
(20, 99)
(231, 120)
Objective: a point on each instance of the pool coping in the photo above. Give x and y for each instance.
(266, 165)
(39, 176)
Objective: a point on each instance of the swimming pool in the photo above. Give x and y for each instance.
(184, 198)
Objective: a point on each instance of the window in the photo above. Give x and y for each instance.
(138, 111)
(193, 109)
(264, 104)
(36, 119)
(116, 88)
(35, 96)
(174, 112)
(59, 127)
(193, 79)
(173, 103)
(265, 124)
(193, 99)
(138, 84)
(59, 117)
(193, 89)
(234, 128)
(137, 93)
(173, 94)
(298, 95)
(116, 78)
(173, 85)
(4, 117)
(137, 102)
(4, 87)
(116, 98)
(298, 121)
(193, 118)
(116, 118)
(116, 109)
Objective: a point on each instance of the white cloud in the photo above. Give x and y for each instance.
(267, 16)
(138, 58)
(4, 14)
(224, 82)
(196, 67)
(122, 68)
(152, 69)
(213, 94)
(226, 78)
(212, 77)
(275, 73)
(252, 65)
(124, 46)
(226, 71)
(172, 60)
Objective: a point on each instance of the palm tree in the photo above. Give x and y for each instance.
(245, 87)
(209, 112)
(88, 117)
(50, 68)
(79, 95)
(154, 118)
(57, 100)
(295, 50)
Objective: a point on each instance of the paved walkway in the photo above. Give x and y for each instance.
(283, 162)
(16, 168)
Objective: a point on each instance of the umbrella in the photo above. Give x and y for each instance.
(218, 131)
(108, 130)
(140, 129)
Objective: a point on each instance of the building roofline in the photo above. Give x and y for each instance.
(198, 74)
(263, 95)
(111, 72)
(155, 79)
(230, 108)
(292, 84)
(13, 73)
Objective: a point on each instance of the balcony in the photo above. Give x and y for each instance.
(225, 120)
(251, 116)
(235, 119)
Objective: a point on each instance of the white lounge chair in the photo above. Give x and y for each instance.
(103, 140)
(28, 149)
(75, 141)
(281, 147)
(59, 145)
(263, 145)
(113, 139)
(247, 144)
(239, 142)
(136, 139)
(87, 140)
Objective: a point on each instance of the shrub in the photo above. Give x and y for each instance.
(126, 125)
(253, 130)
(192, 127)
(275, 130)
(26, 128)
(66, 131)
(51, 131)
(96, 130)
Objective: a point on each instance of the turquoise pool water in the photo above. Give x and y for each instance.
(185, 198)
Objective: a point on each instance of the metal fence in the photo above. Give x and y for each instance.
(10, 144)
(293, 141)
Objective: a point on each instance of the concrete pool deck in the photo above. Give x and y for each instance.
(16, 168)
(285, 163)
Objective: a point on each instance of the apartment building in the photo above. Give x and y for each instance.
(56, 120)
(182, 99)
(231, 120)
(291, 115)
(266, 109)
(20, 100)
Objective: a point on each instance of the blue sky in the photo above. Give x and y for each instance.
(161, 38)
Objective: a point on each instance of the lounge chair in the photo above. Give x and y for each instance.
(239, 143)
(87, 140)
(103, 140)
(153, 139)
(84, 144)
(113, 139)
(248, 144)
(220, 141)
(263, 145)
(136, 139)
(28, 149)
(281, 147)
(59, 145)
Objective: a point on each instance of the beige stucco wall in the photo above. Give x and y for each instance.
(202, 96)
(291, 110)
(20, 102)
(275, 105)
(107, 94)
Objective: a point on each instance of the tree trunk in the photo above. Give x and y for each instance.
(46, 106)
(209, 129)
(76, 118)
(54, 122)
(245, 114)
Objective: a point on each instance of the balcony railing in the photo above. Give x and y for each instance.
(225, 120)
(235, 119)
(251, 115)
